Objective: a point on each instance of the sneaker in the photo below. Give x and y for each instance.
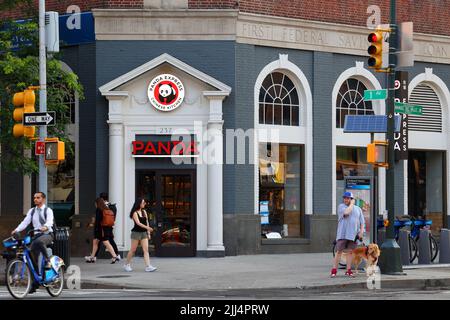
(118, 257)
(127, 268)
(349, 273)
(333, 272)
(90, 259)
(150, 268)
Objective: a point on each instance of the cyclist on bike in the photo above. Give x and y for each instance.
(41, 217)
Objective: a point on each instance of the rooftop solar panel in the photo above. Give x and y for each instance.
(368, 124)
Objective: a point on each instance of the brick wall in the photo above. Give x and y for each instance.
(429, 16)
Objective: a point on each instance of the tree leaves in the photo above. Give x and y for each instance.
(19, 69)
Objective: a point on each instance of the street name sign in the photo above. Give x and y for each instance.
(401, 107)
(375, 94)
(39, 118)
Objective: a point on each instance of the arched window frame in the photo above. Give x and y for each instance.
(301, 134)
(339, 138)
(431, 140)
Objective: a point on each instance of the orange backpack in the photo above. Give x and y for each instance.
(108, 218)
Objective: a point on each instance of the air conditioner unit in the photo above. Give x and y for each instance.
(52, 31)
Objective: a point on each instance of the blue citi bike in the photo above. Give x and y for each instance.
(21, 274)
(414, 225)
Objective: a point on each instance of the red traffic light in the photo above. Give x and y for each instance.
(372, 37)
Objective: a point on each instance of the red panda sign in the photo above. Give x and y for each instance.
(164, 148)
(166, 92)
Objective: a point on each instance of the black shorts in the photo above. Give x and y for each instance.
(103, 233)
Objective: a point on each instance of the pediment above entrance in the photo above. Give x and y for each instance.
(162, 86)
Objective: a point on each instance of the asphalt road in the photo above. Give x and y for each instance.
(282, 294)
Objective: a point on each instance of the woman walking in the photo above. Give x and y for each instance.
(101, 233)
(139, 234)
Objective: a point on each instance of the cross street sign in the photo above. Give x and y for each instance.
(39, 118)
(375, 94)
(401, 107)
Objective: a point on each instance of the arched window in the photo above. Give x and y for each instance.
(278, 101)
(431, 118)
(350, 100)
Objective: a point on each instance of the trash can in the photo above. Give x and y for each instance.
(61, 244)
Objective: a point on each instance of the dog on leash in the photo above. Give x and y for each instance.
(369, 254)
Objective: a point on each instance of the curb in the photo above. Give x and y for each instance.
(418, 284)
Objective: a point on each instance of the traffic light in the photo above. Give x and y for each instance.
(24, 103)
(377, 153)
(54, 151)
(375, 50)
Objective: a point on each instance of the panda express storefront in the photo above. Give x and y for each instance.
(166, 146)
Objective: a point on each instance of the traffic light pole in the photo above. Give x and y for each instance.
(42, 93)
(390, 259)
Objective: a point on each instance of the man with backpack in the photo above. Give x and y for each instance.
(41, 218)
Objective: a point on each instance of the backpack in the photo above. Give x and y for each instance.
(108, 218)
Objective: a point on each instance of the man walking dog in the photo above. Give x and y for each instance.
(350, 228)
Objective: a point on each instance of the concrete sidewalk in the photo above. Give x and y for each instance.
(284, 271)
(302, 271)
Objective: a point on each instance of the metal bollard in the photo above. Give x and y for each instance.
(424, 247)
(403, 242)
(444, 252)
(381, 236)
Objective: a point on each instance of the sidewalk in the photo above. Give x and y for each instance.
(287, 271)
(302, 271)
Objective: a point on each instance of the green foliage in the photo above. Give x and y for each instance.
(19, 69)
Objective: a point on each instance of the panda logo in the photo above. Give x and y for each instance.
(166, 93)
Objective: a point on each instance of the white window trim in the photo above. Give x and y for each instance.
(422, 139)
(288, 134)
(339, 138)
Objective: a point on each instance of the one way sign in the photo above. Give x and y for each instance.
(39, 118)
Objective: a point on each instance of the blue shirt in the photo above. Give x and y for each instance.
(349, 226)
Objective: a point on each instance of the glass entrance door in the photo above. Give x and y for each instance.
(171, 202)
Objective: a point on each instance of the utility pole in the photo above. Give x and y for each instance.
(390, 259)
(42, 93)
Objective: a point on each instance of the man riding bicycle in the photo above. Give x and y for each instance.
(41, 217)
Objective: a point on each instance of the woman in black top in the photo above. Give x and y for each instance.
(139, 234)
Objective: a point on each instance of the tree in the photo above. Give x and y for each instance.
(19, 69)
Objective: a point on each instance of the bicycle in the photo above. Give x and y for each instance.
(419, 224)
(21, 273)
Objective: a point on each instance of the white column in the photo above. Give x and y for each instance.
(214, 164)
(215, 189)
(116, 176)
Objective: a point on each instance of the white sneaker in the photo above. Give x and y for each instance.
(118, 258)
(127, 268)
(150, 268)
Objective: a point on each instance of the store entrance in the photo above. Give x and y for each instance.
(171, 205)
(426, 186)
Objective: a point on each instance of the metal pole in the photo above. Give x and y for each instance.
(390, 260)
(42, 93)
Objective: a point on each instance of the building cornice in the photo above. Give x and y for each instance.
(248, 28)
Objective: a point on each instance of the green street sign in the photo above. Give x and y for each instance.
(401, 107)
(375, 94)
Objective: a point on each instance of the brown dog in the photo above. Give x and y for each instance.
(370, 254)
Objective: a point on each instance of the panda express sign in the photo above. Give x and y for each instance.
(161, 148)
(166, 92)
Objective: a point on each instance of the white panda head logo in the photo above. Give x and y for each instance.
(166, 90)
